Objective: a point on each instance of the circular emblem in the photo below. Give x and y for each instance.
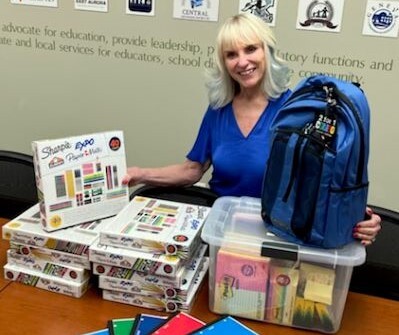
(381, 20)
(171, 307)
(51, 243)
(170, 293)
(100, 269)
(283, 280)
(171, 249)
(180, 238)
(114, 143)
(25, 250)
(9, 275)
(55, 221)
(73, 274)
(14, 225)
(167, 269)
(320, 10)
(247, 270)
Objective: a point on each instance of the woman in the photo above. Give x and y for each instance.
(246, 88)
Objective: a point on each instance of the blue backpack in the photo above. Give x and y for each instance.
(315, 185)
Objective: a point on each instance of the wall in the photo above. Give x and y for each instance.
(128, 78)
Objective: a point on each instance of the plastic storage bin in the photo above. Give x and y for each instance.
(255, 275)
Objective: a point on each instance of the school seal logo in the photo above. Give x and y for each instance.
(382, 18)
(320, 14)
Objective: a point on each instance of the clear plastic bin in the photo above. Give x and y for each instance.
(255, 275)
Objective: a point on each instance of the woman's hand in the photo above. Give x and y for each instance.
(133, 177)
(367, 230)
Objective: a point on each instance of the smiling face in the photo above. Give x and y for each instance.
(245, 62)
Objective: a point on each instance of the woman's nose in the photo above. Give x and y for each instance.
(242, 60)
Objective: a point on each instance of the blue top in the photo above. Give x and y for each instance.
(238, 161)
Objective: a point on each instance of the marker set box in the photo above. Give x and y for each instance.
(160, 304)
(26, 229)
(143, 262)
(52, 256)
(129, 274)
(41, 265)
(157, 226)
(79, 178)
(43, 281)
(154, 285)
(57, 261)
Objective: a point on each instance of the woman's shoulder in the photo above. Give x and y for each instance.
(277, 102)
(217, 111)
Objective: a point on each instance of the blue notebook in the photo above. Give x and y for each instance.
(223, 326)
(146, 323)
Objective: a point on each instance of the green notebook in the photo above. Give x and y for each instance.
(120, 326)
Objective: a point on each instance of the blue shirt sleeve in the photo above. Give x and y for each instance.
(201, 150)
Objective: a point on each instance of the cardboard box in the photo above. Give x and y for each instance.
(302, 287)
(79, 178)
(157, 226)
(138, 285)
(41, 265)
(45, 282)
(166, 305)
(26, 229)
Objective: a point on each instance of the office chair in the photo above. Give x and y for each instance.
(379, 275)
(196, 195)
(17, 183)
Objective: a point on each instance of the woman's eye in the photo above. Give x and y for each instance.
(251, 48)
(230, 54)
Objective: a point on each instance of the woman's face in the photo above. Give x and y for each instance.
(246, 64)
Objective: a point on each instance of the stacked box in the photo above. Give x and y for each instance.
(57, 261)
(254, 274)
(152, 285)
(157, 226)
(46, 282)
(79, 178)
(158, 303)
(152, 253)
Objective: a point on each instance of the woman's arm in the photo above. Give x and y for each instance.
(184, 174)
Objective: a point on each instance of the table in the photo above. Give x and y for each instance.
(29, 310)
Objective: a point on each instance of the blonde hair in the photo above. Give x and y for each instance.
(247, 29)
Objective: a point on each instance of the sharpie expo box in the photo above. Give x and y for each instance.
(157, 226)
(45, 282)
(79, 178)
(253, 274)
(161, 304)
(26, 229)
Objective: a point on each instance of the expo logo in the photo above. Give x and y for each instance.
(81, 145)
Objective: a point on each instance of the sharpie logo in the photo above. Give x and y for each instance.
(126, 239)
(53, 288)
(50, 151)
(28, 260)
(64, 260)
(38, 239)
(115, 256)
(125, 283)
(81, 145)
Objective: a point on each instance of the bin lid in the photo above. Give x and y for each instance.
(236, 222)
